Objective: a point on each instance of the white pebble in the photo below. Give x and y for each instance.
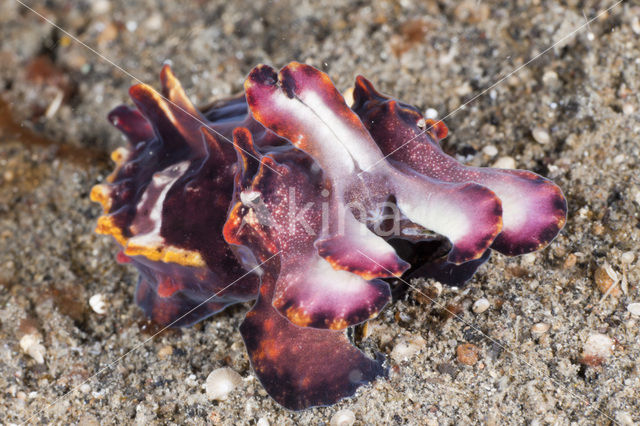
(98, 303)
(628, 109)
(635, 25)
(634, 308)
(262, 422)
(463, 90)
(598, 346)
(490, 150)
(627, 257)
(541, 135)
(480, 306)
(550, 79)
(30, 344)
(343, 418)
(624, 418)
(131, 26)
(154, 23)
(609, 270)
(221, 382)
(539, 329)
(528, 259)
(101, 6)
(54, 106)
(437, 287)
(406, 348)
(505, 163)
(431, 113)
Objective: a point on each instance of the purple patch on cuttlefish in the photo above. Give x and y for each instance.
(302, 105)
(533, 208)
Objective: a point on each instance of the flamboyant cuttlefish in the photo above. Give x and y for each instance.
(288, 195)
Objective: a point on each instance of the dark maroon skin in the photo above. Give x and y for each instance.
(308, 366)
(192, 220)
(180, 191)
(303, 367)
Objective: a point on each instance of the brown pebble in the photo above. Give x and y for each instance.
(604, 281)
(450, 310)
(472, 12)
(559, 250)
(366, 330)
(165, 351)
(427, 295)
(570, 261)
(597, 229)
(28, 326)
(42, 71)
(467, 353)
(108, 34)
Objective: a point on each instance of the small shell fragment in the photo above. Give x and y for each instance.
(505, 163)
(480, 305)
(406, 348)
(30, 344)
(607, 280)
(54, 106)
(431, 113)
(634, 308)
(627, 257)
(490, 150)
(98, 303)
(597, 349)
(221, 382)
(343, 418)
(539, 329)
(628, 109)
(541, 135)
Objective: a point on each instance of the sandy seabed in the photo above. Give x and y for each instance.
(572, 115)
